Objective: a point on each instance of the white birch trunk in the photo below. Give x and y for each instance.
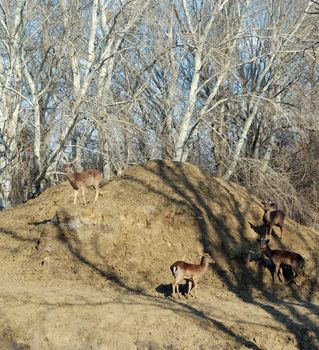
(36, 118)
(243, 136)
(187, 132)
(168, 124)
(252, 114)
(267, 155)
(185, 123)
(10, 102)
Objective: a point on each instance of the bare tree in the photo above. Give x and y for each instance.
(228, 85)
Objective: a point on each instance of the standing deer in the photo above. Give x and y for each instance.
(80, 181)
(273, 218)
(281, 257)
(190, 272)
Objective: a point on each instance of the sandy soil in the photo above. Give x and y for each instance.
(98, 277)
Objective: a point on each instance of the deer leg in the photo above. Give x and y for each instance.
(83, 195)
(175, 285)
(76, 192)
(269, 232)
(280, 273)
(189, 284)
(173, 290)
(195, 288)
(293, 281)
(275, 273)
(97, 192)
(295, 275)
(177, 289)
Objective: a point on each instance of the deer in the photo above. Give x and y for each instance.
(281, 257)
(273, 218)
(182, 270)
(80, 181)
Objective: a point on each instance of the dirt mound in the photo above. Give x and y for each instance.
(124, 243)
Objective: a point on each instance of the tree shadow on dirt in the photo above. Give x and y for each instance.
(240, 281)
(175, 306)
(15, 235)
(195, 196)
(261, 230)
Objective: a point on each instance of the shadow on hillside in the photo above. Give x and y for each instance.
(261, 230)
(241, 281)
(196, 198)
(166, 289)
(15, 235)
(184, 309)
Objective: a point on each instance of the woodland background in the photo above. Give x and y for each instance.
(231, 86)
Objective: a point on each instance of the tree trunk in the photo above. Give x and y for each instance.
(179, 154)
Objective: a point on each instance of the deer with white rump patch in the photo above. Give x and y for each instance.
(281, 257)
(273, 218)
(80, 181)
(190, 272)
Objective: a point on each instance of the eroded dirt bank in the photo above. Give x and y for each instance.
(97, 276)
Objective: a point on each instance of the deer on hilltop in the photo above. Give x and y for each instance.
(273, 218)
(80, 181)
(190, 272)
(281, 257)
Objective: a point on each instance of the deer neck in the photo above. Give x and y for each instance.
(204, 264)
(70, 175)
(267, 215)
(268, 251)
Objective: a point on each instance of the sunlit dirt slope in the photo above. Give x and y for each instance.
(98, 277)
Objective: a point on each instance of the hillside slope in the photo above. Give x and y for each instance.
(97, 276)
